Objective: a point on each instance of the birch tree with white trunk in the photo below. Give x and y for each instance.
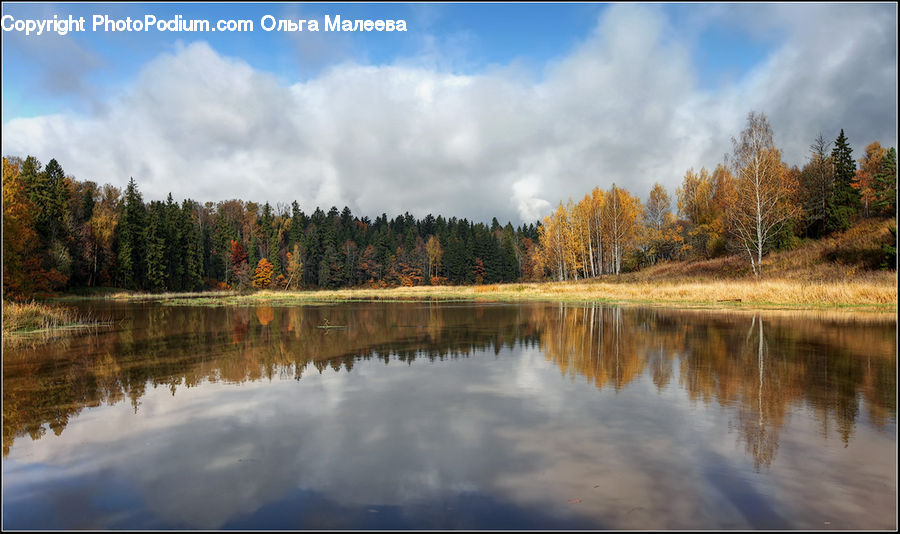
(763, 200)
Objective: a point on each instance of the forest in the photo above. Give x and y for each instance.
(60, 233)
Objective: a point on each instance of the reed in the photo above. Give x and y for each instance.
(35, 321)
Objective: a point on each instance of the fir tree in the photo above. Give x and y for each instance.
(192, 259)
(274, 256)
(157, 279)
(329, 268)
(131, 239)
(845, 200)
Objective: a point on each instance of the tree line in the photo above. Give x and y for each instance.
(61, 233)
(750, 204)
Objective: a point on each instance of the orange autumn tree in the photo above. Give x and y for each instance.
(262, 279)
(265, 315)
(478, 271)
(869, 167)
(17, 231)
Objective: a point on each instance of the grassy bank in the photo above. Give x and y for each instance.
(877, 292)
(35, 320)
(855, 255)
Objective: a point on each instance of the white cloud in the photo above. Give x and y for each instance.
(529, 206)
(624, 106)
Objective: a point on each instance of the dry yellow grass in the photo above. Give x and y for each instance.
(33, 321)
(33, 316)
(873, 294)
(847, 256)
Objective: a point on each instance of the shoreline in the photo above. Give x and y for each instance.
(863, 296)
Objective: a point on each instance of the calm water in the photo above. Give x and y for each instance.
(417, 415)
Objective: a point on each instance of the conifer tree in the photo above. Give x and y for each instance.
(157, 276)
(845, 200)
(274, 256)
(57, 195)
(131, 239)
(511, 264)
(192, 259)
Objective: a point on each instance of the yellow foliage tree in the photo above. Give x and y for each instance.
(869, 167)
(697, 203)
(622, 212)
(18, 235)
(598, 203)
(764, 194)
(295, 267)
(435, 253)
(262, 279)
(661, 236)
(552, 240)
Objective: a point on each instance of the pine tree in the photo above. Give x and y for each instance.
(845, 201)
(192, 259)
(298, 225)
(157, 277)
(39, 193)
(274, 256)
(58, 200)
(49, 195)
(329, 268)
(175, 246)
(131, 239)
(510, 255)
(253, 254)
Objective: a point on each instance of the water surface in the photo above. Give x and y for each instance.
(440, 415)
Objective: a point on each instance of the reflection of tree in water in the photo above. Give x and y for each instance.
(590, 342)
(184, 347)
(761, 411)
(762, 371)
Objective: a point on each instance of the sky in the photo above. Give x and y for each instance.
(477, 110)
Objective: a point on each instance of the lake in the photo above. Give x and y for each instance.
(372, 415)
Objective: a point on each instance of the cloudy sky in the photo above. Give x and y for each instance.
(478, 110)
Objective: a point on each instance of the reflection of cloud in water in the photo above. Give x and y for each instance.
(517, 430)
